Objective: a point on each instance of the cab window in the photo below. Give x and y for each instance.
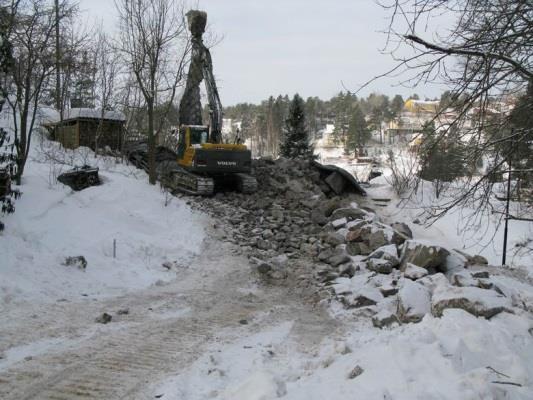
(199, 137)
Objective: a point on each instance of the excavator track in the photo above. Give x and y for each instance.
(184, 181)
(246, 183)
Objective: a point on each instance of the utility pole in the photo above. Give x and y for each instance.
(507, 200)
(59, 104)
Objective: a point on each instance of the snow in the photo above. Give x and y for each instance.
(53, 222)
(456, 356)
(74, 113)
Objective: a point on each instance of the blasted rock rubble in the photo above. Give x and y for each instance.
(297, 231)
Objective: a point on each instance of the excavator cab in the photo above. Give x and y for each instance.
(197, 154)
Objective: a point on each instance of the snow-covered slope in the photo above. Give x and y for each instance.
(53, 222)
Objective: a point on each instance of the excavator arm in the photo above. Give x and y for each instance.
(201, 68)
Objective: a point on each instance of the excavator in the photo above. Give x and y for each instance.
(203, 160)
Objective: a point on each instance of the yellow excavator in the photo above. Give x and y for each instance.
(203, 160)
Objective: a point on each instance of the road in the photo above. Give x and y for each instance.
(57, 350)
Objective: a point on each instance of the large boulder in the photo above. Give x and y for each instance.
(414, 301)
(380, 265)
(476, 301)
(414, 272)
(403, 229)
(430, 257)
(357, 249)
(348, 213)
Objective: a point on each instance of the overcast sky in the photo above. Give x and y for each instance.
(272, 47)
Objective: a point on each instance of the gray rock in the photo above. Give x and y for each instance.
(414, 301)
(380, 265)
(263, 244)
(347, 269)
(432, 258)
(337, 260)
(414, 272)
(357, 248)
(348, 213)
(339, 223)
(336, 182)
(377, 239)
(480, 274)
(388, 252)
(325, 254)
(368, 296)
(267, 234)
(402, 228)
(318, 217)
(334, 238)
(354, 373)
(78, 261)
(264, 267)
(384, 318)
(104, 318)
(356, 224)
(361, 234)
(476, 301)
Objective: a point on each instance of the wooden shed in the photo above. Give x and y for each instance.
(81, 126)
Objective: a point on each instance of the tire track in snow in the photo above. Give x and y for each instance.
(119, 363)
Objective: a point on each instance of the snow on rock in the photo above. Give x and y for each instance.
(424, 255)
(431, 282)
(384, 318)
(476, 301)
(414, 301)
(414, 272)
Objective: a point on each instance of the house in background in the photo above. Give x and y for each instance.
(86, 127)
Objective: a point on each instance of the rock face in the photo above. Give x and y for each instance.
(414, 301)
(476, 301)
(432, 258)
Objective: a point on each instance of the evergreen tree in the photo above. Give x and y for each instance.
(8, 165)
(296, 142)
(521, 155)
(396, 106)
(442, 159)
(358, 132)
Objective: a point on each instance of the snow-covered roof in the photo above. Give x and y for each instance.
(94, 113)
(48, 115)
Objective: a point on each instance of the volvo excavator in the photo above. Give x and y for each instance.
(203, 160)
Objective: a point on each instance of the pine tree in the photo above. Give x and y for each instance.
(358, 132)
(7, 156)
(442, 159)
(296, 142)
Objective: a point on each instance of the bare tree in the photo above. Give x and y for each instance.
(485, 59)
(33, 55)
(107, 71)
(153, 40)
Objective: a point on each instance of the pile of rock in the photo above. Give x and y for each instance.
(294, 227)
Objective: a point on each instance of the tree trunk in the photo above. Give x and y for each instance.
(59, 102)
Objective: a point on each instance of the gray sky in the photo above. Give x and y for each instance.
(273, 47)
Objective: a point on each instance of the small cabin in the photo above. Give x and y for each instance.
(86, 127)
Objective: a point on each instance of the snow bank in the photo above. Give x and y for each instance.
(52, 222)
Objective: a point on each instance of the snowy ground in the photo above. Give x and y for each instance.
(53, 222)
(209, 328)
